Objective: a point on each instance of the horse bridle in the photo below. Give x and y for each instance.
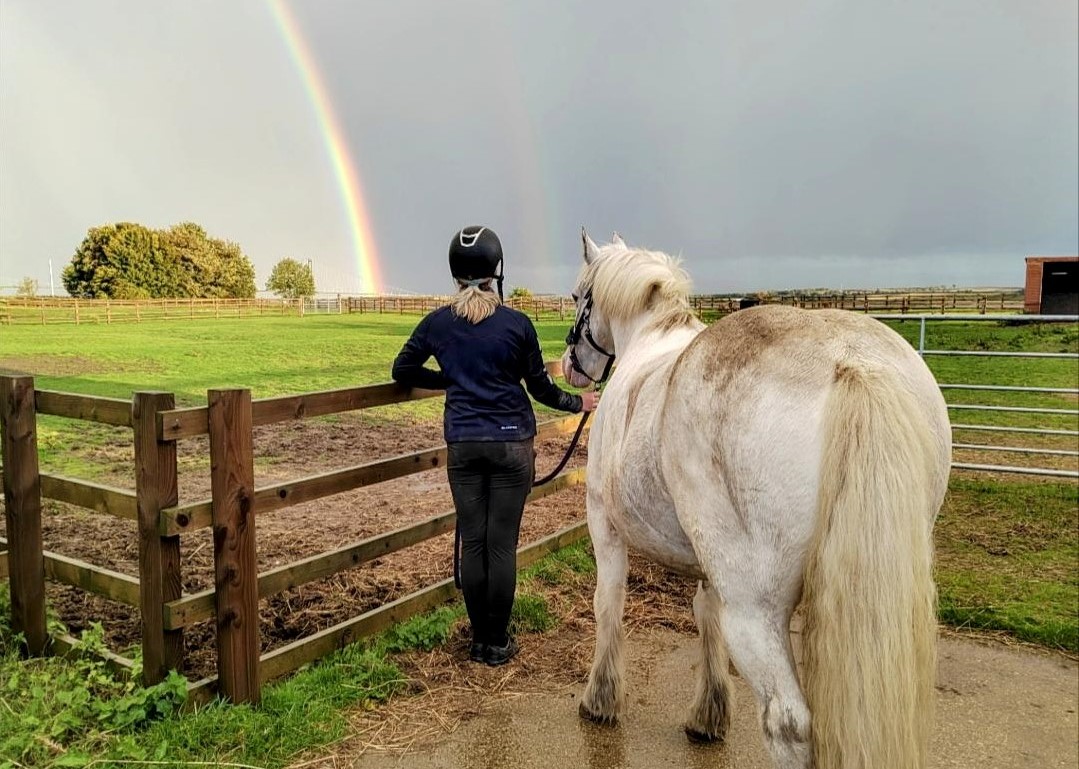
(582, 327)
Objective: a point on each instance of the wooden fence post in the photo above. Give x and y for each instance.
(232, 476)
(159, 556)
(22, 510)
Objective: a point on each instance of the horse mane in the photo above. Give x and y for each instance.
(628, 282)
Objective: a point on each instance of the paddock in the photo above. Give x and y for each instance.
(154, 531)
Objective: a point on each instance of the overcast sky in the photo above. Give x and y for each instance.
(855, 143)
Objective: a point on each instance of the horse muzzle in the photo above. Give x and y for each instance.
(570, 373)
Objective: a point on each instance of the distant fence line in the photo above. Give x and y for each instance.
(51, 310)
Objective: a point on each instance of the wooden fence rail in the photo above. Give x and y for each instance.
(93, 579)
(232, 511)
(92, 496)
(189, 422)
(200, 606)
(198, 515)
(46, 310)
(288, 658)
(108, 411)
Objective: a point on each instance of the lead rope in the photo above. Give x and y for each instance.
(565, 457)
(545, 479)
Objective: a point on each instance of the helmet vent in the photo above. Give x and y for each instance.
(468, 239)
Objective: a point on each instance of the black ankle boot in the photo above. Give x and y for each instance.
(500, 655)
(478, 652)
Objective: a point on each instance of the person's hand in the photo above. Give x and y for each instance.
(589, 401)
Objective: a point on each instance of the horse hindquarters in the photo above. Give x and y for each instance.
(870, 636)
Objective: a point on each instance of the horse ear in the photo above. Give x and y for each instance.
(591, 250)
(617, 240)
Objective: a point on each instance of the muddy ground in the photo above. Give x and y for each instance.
(287, 452)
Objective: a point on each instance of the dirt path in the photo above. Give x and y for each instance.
(998, 707)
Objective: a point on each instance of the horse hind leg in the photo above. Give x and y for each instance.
(758, 636)
(604, 695)
(710, 716)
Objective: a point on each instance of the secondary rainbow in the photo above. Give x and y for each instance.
(363, 240)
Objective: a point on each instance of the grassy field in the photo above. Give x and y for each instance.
(279, 355)
(1007, 546)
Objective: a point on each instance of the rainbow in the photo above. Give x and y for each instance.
(363, 239)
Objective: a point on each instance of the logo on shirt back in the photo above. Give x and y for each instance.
(508, 427)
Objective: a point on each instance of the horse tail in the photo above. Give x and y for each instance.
(870, 631)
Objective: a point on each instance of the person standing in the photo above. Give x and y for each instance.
(484, 351)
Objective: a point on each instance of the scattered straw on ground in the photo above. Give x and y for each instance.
(445, 689)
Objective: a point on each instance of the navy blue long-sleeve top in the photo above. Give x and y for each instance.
(482, 367)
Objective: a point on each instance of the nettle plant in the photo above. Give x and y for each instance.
(52, 706)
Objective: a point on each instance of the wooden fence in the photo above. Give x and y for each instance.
(52, 310)
(232, 510)
(64, 310)
(712, 307)
(48, 310)
(535, 306)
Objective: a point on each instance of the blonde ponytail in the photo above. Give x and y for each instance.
(474, 303)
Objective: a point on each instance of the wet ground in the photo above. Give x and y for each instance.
(998, 707)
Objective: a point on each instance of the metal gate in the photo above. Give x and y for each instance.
(1056, 427)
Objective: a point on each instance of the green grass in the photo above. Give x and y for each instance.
(73, 712)
(272, 356)
(1017, 372)
(1007, 557)
(531, 614)
(568, 565)
(282, 355)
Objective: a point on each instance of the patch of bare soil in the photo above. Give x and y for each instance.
(295, 450)
(59, 365)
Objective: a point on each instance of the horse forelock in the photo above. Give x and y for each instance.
(628, 282)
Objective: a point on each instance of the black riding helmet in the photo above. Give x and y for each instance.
(475, 252)
(475, 255)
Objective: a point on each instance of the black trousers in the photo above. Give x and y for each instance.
(489, 481)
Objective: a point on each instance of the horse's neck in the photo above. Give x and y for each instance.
(638, 342)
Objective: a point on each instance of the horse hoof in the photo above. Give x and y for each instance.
(596, 718)
(701, 738)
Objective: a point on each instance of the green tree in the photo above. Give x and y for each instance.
(130, 261)
(520, 292)
(208, 266)
(234, 275)
(291, 279)
(27, 287)
(117, 261)
(192, 255)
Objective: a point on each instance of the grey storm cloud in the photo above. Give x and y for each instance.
(778, 145)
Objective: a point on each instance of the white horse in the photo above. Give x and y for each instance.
(779, 456)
